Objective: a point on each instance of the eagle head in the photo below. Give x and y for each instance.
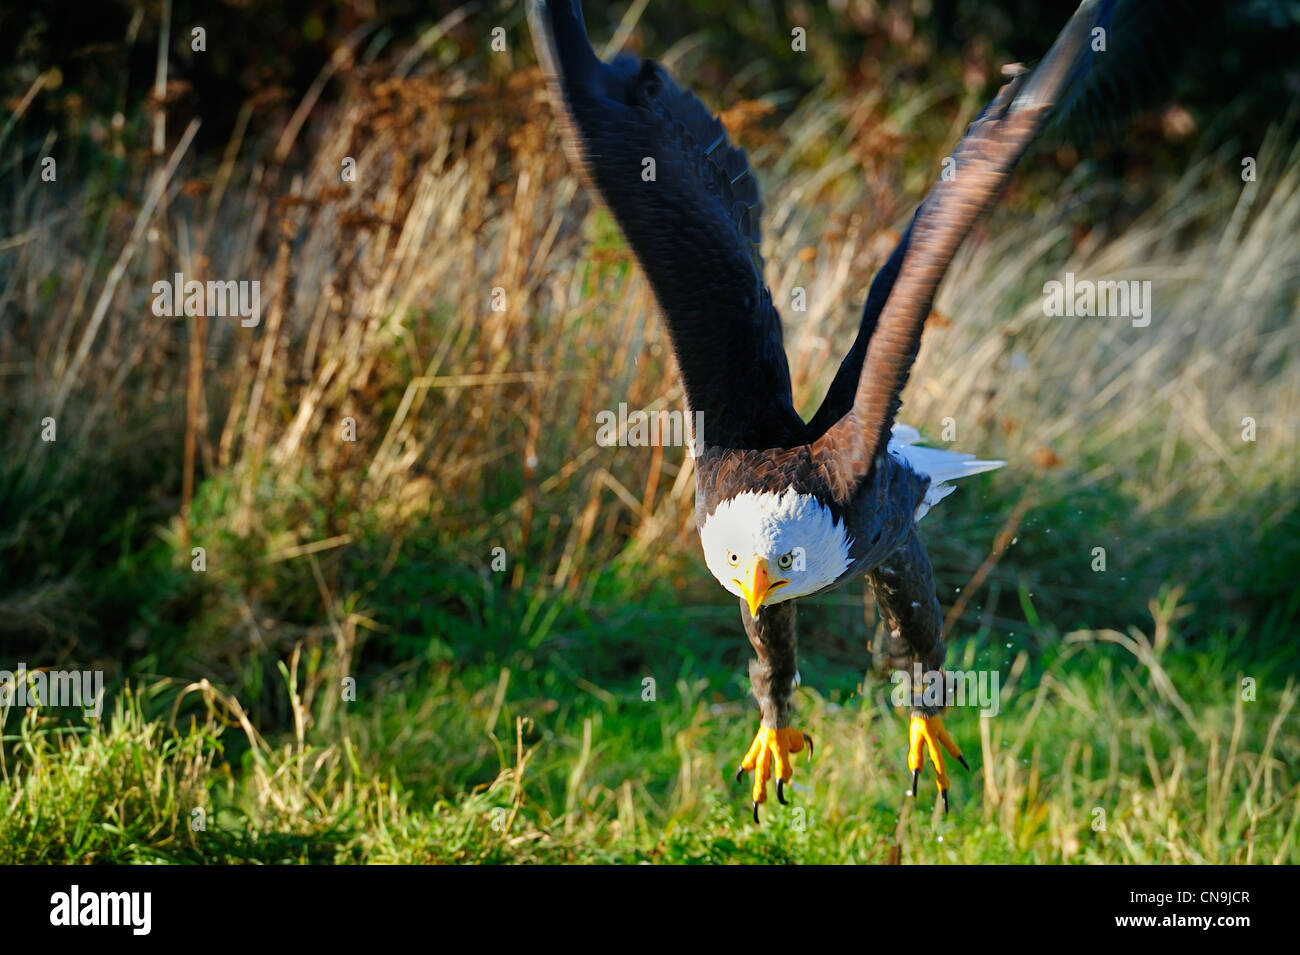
(768, 547)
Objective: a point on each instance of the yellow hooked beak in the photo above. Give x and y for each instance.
(755, 583)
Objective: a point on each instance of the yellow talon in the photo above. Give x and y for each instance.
(927, 733)
(769, 746)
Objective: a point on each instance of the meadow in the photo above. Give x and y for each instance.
(366, 588)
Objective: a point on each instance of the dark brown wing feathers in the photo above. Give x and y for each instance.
(693, 223)
(984, 160)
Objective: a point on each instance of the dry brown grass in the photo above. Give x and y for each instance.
(477, 428)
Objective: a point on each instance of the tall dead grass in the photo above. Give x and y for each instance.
(378, 315)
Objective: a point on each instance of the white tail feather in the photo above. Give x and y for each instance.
(938, 465)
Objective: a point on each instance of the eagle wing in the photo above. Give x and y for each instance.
(692, 219)
(852, 427)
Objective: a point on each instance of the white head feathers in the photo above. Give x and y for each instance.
(772, 526)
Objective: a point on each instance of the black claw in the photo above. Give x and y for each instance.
(944, 794)
(916, 781)
(962, 759)
(780, 792)
(756, 814)
(808, 739)
(740, 774)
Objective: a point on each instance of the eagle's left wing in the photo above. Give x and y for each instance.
(878, 366)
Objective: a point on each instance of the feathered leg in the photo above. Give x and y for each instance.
(773, 677)
(904, 590)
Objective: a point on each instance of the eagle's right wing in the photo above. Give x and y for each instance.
(693, 224)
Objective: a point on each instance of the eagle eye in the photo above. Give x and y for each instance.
(785, 561)
(733, 559)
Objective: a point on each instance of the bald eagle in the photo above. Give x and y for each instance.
(785, 508)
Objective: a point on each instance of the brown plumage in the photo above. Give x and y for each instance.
(767, 483)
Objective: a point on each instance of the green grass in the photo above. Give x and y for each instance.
(518, 762)
(499, 714)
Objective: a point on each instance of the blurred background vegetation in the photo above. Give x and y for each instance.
(520, 692)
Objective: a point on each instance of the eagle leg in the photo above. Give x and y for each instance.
(904, 588)
(773, 677)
